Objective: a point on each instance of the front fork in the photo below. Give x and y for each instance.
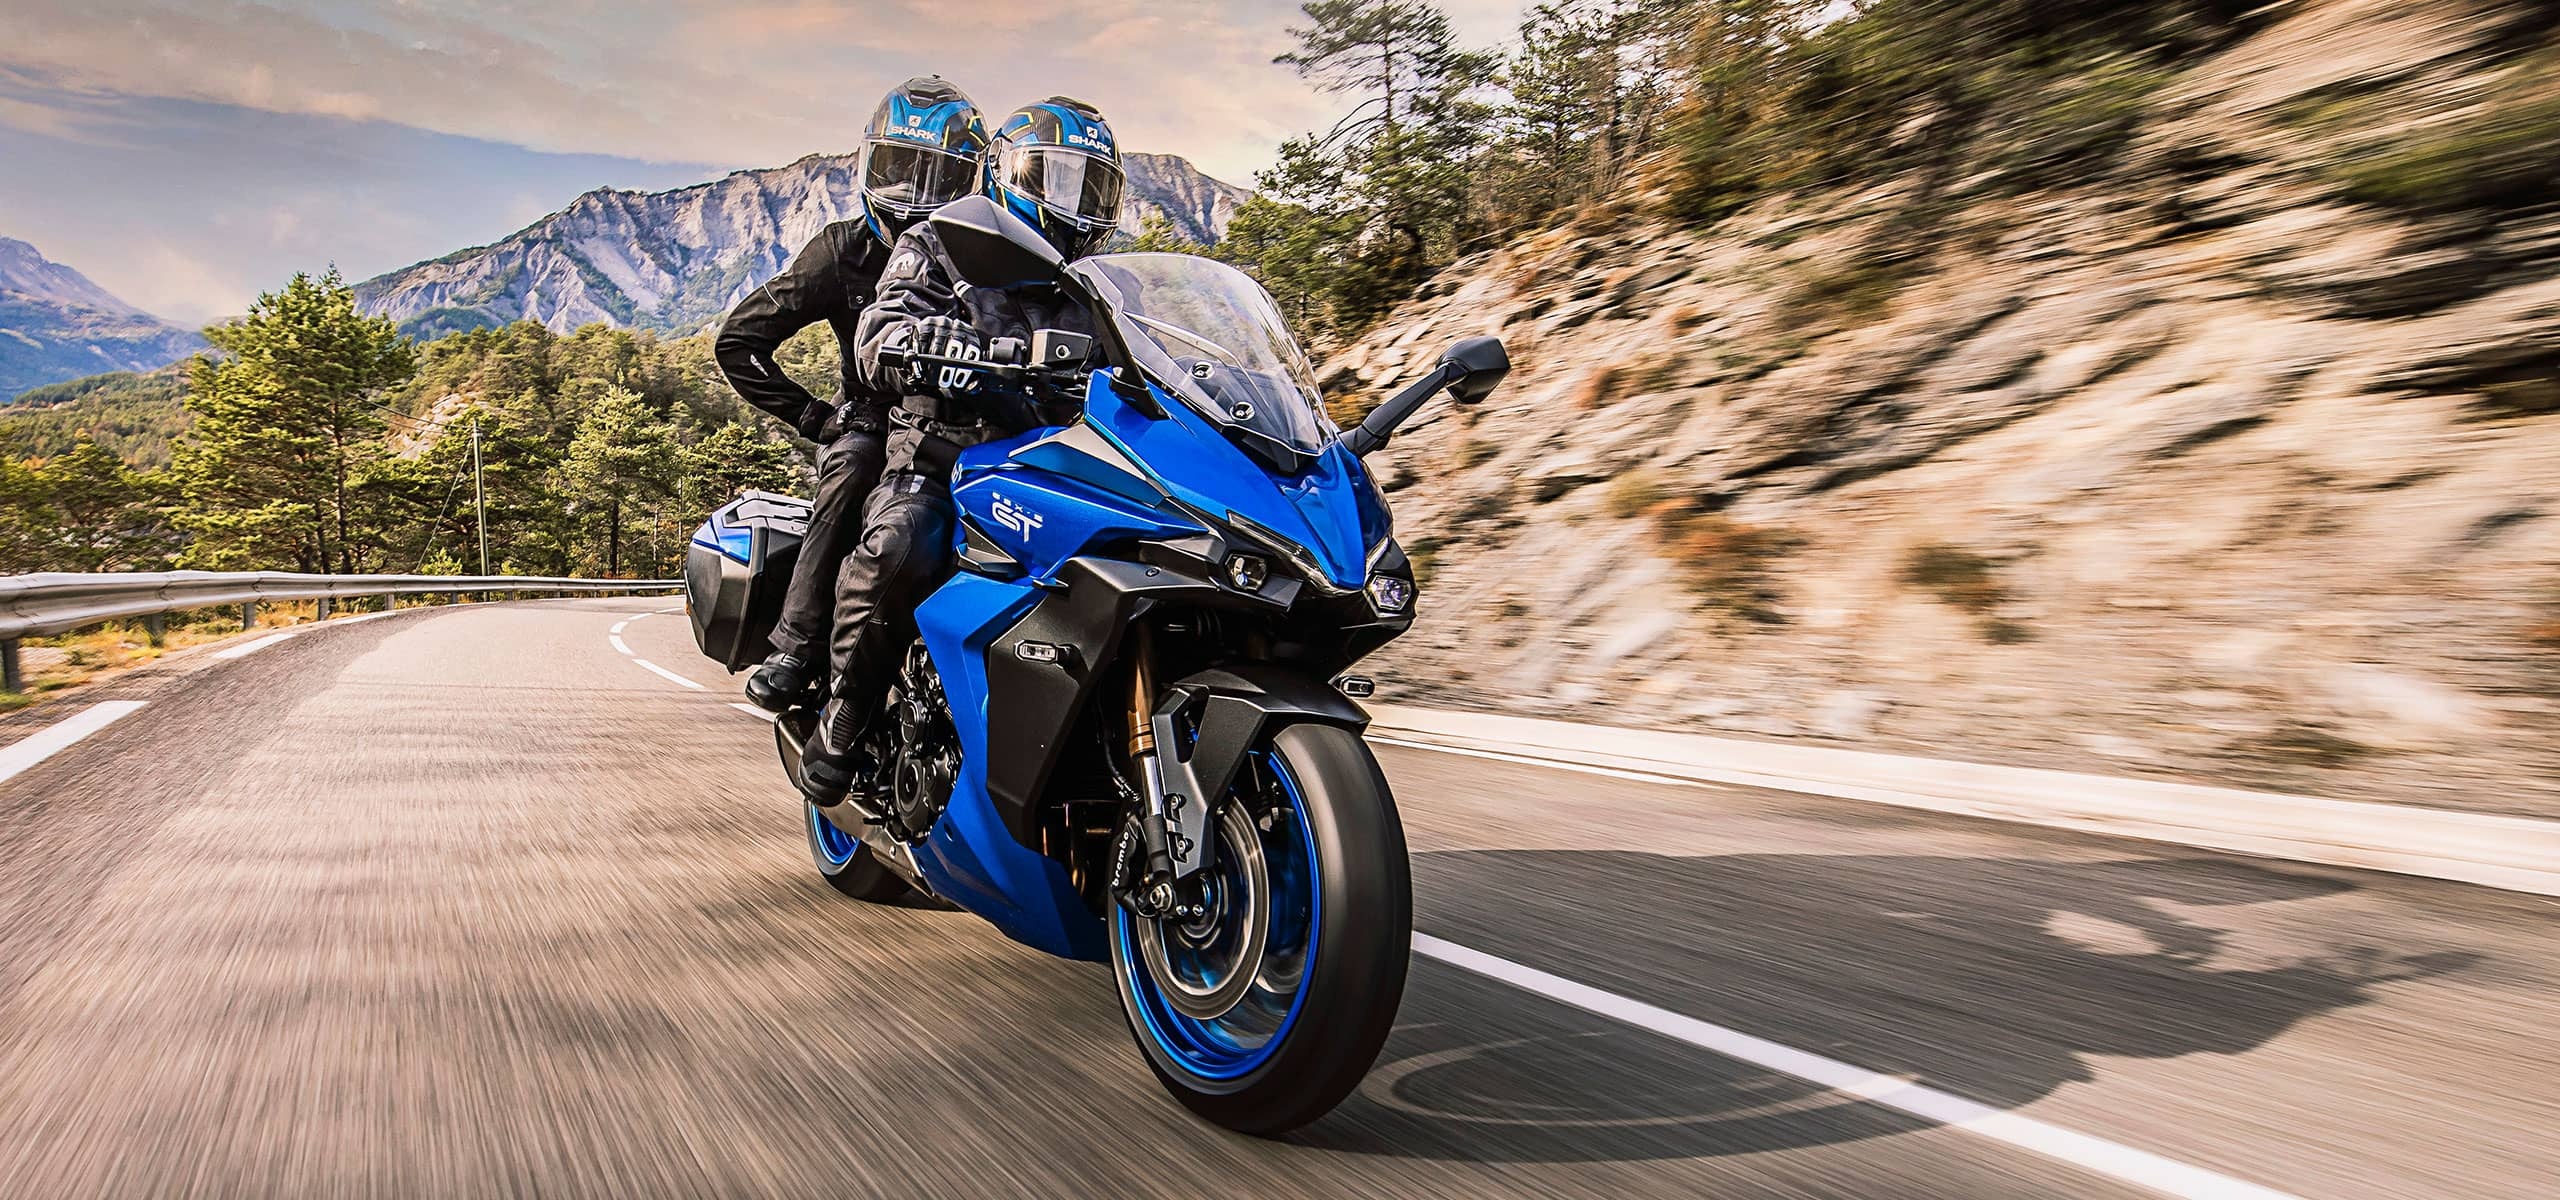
(1156, 875)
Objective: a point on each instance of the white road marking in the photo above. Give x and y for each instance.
(53, 739)
(254, 647)
(670, 676)
(618, 643)
(2125, 1163)
(619, 626)
(1584, 768)
(371, 616)
(753, 711)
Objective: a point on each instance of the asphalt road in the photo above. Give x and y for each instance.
(472, 902)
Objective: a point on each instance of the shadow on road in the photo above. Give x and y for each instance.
(1994, 979)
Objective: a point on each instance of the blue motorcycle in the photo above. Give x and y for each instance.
(1123, 732)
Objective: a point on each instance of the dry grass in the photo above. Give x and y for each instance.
(1634, 494)
(65, 661)
(2305, 745)
(1598, 386)
(1660, 372)
(1730, 563)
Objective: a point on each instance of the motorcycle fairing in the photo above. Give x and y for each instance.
(969, 856)
(1101, 519)
(1331, 513)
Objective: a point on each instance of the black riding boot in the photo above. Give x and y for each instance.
(848, 470)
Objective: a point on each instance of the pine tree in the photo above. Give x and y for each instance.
(102, 514)
(1386, 189)
(625, 452)
(286, 421)
(733, 459)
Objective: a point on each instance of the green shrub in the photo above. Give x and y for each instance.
(2502, 154)
(1956, 576)
(1852, 291)
(2506, 155)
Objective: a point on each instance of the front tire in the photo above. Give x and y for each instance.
(1327, 939)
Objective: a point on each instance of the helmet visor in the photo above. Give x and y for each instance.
(1076, 185)
(913, 179)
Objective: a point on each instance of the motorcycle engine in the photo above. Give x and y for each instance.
(927, 760)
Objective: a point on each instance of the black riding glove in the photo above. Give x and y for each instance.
(947, 337)
(818, 422)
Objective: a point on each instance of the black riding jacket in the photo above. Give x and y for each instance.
(920, 282)
(833, 279)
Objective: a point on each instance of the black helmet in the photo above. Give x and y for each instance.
(1056, 165)
(925, 147)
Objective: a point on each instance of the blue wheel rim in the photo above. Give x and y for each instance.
(1235, 1045)
(835, 847)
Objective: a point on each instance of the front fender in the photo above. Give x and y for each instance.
(1208, 722)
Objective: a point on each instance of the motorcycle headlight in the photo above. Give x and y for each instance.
(1390, 595)
(1247, 572)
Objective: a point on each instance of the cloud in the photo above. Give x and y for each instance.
(189, 209)
(743, 84)
(189, 153)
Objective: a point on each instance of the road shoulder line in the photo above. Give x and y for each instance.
(44, 743)
(2138, 1167)
(255, 646)
(2514, 853)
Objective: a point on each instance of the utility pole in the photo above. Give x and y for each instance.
(479, 502)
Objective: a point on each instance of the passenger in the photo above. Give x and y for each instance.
(925, 146)
(1055, 165)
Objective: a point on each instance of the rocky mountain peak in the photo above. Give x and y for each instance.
(55, 324)
(674, 261)
(29, 274)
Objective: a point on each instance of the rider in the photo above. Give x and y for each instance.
(1056, 165)
(924, 147)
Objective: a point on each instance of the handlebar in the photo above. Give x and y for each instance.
(895, 357)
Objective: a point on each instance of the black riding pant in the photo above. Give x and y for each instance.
(906, 546)
(848, 470)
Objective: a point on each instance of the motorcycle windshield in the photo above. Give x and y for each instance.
(1214, 339)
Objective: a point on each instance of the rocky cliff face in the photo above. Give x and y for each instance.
(675, 261)
(1197, 206)
(2223, 465)
(55, 325)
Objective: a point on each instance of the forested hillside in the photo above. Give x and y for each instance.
(138, 417)
(2122, 386)
(320, 439)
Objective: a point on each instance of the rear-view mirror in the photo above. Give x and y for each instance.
(1469, 371)
(1481, 365)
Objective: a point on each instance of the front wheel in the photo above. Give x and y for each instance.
(1262, 1014)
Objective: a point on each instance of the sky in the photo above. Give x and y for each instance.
(188, 154)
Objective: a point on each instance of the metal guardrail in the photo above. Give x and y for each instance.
(58, 602)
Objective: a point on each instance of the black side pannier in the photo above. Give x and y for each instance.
(735, 572)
